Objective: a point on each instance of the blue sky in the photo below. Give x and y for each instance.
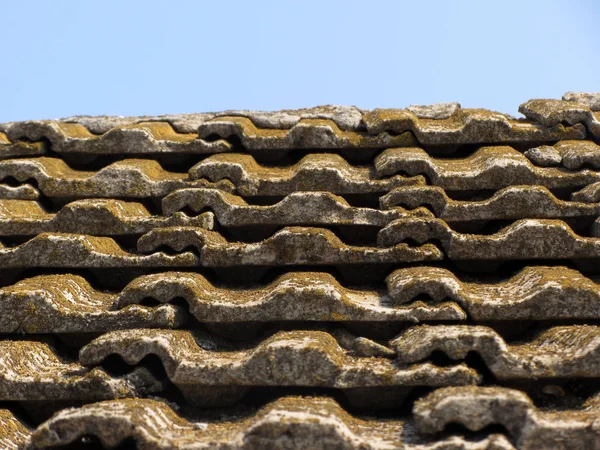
(118, 57)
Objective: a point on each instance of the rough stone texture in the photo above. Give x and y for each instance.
(589, 194)
(290, 423)
(293, 358)
(467, 126)
(591, 99)
(513, 202)
(99, 217)
(23, 192)
(10, 150)
(80, 251)
(576, 155)
(570, 154)
(559, 352)
(46, 304)
(544, 156)
(128, 178)
(31, 370)
(13, 434)
(310, 208)
(419, 278)
(524, 239)
(551, 113)
(303, 245)
(347, 118)
(530, 428)
(436, 111)
(309, 296)
(135, 138)
(318, 172)
(487, 168)
(160, 136)
(536, 292)
(322, 127)
(307, 133)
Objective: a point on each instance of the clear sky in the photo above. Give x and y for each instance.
(126, 57)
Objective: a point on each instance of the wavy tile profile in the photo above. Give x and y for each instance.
(99, 217)
(10, 149)
(212, 135)
(534, 293)
(528, 427)
(559, 352)
(31, 370)
(22, 192)
(303, 246)
(83, 251)
(321, 278)
(289, 422)
(310, 296)
(68, 304)
(466, 126)
(347, 118)
(124, 138)
(290, 246)
(133, 178)
(288, 358)
(524, 239)
(488, 168)
(589, 194)
(569, 154)
(315, 172)
(305, 134)
(553, 112)
(320, 127)
(298, 208)
(513, 202)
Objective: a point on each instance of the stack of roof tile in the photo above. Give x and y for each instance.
(424, 278)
